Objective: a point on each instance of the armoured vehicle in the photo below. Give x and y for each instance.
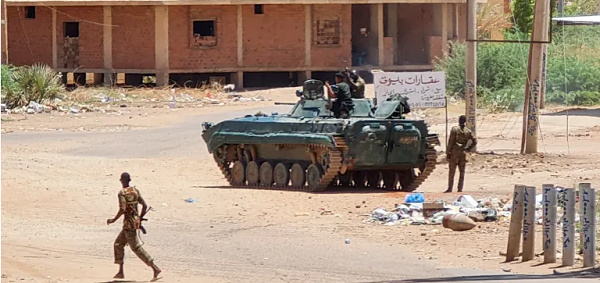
(309, 149)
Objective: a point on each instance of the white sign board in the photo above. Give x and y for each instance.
(423, 89)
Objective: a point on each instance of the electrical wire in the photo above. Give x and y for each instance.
(21, 19)
(75, 18)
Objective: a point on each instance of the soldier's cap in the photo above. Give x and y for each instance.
(125, 177)
(340, 75)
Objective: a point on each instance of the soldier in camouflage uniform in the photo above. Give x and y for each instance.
(129, 198)
(458, 145)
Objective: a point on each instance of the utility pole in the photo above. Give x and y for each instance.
(535, 85)
(561, 7)
(471, 75)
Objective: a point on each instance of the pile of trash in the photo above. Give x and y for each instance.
(415, 211)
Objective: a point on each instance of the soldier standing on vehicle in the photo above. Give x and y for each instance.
(128, 200)
(343, 104)
(357, 84)
(461, 140)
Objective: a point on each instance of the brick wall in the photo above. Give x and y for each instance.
(183, 56)
(91, 48)
(29, 40)
(333, 56)
(133, 37)
(275, 38)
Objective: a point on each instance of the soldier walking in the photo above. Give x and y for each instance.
(128, 200)
(461, 140)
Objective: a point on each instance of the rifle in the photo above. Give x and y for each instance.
(144, 219)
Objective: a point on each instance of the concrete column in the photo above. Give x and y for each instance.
(238, 77)
(54, 46)
(392, 27)
(375, 56)
(240, 37)
(4, 40)
(380, 34)
(445, 19)
(161, 44)
(107, 41)
(308, 26)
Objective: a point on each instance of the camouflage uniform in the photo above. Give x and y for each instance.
(359, 90)
(128, 200)
(457, 145)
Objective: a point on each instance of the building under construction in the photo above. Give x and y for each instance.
(275, 43)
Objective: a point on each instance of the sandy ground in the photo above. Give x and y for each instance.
(60, 179)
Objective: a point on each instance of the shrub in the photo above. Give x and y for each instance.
(8, 85)
(572, 75)
(35, 83)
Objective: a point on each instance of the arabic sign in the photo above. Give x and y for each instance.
(423, 89)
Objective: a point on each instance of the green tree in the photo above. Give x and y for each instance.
(523, 15)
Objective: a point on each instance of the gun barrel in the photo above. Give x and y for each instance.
(285, 103)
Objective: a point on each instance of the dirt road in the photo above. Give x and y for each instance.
(58, 188)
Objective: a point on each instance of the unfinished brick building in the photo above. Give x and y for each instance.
(273, 43)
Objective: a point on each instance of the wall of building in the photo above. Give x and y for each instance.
(182, 53)
(133, 37)
(29, 40)
(272, 40)
(415, 26)
(91, 46)
(275, 38)
(338, 55)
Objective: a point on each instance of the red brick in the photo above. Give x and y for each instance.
(333, 56)
(133, 37)
(29, 40)
(91, 48)
(275, 38)
(182, 56)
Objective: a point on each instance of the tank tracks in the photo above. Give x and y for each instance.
(328, 172)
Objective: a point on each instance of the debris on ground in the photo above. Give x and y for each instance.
(190, 200)
(458, 222)
(415, 211)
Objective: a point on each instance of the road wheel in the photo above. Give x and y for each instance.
(266, 174)
(238, 173)
(390, 181)
(252, 173)
(281, 174)
(313, 177)
(345, 179)
(373, 179)
(297, 176)
(358, 178)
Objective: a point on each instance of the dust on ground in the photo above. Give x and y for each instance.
(60, 179)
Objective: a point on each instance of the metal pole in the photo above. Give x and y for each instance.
(471, 75)
(516, 222)
(549, 241)
(569, 228)
(561, 7)
(587, 198)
